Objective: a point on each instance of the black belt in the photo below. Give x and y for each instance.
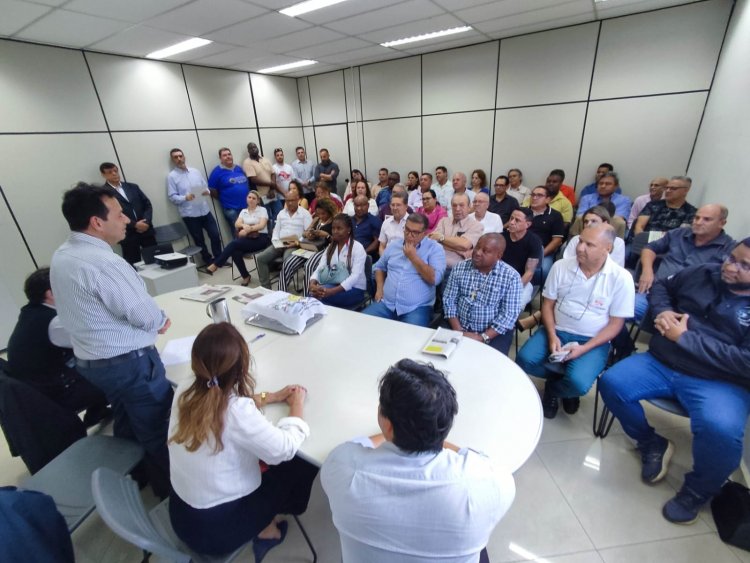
(115, 360)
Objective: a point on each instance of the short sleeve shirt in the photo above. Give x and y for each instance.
(547, 225)
(518, 252)
(663, 218)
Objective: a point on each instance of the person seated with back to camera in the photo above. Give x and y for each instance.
(251, 236)
(586, 302)
(218, 437)
(339, 280)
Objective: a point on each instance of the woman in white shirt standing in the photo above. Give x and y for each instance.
(219, 441)
(252, 236)
(339, 279)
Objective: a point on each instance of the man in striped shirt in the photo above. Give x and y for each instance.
(113, 323)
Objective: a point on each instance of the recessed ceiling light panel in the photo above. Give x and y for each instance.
(289, 66)
(180, 47)
(426, 36)
(308, 6)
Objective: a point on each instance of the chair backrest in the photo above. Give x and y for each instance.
(368, 276)
(170, 233)
(119, 504)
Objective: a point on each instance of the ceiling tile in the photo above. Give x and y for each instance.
(139, 41)
(366, 53)
(414, 28)
(543, 26)
(384, 18)
(50, 2)
(203, 52)
(317, 69)
(235, 56)
(304, 38)
(259, 62)
(345, 10)
(543, 17)
(16, 15)
(131, 11)
(330, 48)
(505, 9)
(624, 7)
(61, 27)
(256, 30)
(273, 4)
(204, 16)
(453, 5)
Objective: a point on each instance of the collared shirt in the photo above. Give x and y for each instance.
(392, 230)
(518, 252)
(559, 203)
(404, 289)
(481, 301)
(591, 189)
(415, 198)
(284, 175)
(291, 225)
(372, 207)
(584, 305)
(638, 204)
(205, 478)
(444, 193)
(505, 207)
(262, 170)
(663, 218)
(101, 300)
(433, 217)
(180, 183)
(617, 254)
(330, 168)
(468, 228)
(366, 230)
(678, 251)
(520, 194)
(231, 183)
(547, 225)
(305, 172)
(254, 217)
(621, 202)
(491, 222)
(356, 278)
(384, 196)
(717, 343)
(378, 494)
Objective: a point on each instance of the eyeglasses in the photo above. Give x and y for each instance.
(501, 185)
(674, 188)
(538, 195)
(408, 231)
(742, 266)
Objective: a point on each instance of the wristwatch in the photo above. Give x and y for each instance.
(442, 237)
(485, 338)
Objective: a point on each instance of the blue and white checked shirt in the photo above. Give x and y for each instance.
(480, 301)
(404, 288)
(101, 300)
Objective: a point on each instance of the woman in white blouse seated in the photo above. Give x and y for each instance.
(219, 442)
(596, 216)
(252, 236)
(361, 188)
(339, 280)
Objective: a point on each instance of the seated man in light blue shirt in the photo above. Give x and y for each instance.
(605, 193)
(407, 274)
(408, 495)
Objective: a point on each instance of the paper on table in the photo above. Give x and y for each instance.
(177, 351)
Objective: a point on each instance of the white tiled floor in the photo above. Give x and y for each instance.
(579, 500)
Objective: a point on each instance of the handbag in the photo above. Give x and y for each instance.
(731, 511)
(314, 245)
(333, 274)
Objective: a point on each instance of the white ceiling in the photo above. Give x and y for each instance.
(251, 34)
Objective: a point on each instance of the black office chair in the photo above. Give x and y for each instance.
(174, 232)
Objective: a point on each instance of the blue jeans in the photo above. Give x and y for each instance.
(542, 270)
(273, 208)
(196, 226)
(718, 413)
(231, 217)
(420, 316)
(641, 306)
(237, 250)
(580, 373)
(344, 299)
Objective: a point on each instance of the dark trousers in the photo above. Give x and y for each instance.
(75, 393)
(196, 226)
(284, 489)
(237, 250)
(133, 242)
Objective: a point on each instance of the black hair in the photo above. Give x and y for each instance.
(104, 166)
(420, 403)
(347, 221)
(83, 202)
(174, 150)
(557, 172)
(36, 285)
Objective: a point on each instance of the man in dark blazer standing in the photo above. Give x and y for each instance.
(136, 207)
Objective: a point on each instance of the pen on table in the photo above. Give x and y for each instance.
(261, 335)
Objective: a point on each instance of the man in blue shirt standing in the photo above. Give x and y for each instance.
(407, 274)
(228, 184)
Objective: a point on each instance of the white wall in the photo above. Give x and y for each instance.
(720, 166)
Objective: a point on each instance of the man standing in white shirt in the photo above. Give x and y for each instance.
(188, 190)
(113, 323)
(586, 302)
(491, 222)
(284, 174)
(304, 173)
(291, 221)
(443, 187)
(408, 494)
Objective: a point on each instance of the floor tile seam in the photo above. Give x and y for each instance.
(696, 535)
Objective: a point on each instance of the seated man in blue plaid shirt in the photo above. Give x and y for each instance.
(483, 296)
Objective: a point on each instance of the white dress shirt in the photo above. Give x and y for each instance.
(291, 225)
(491, 222)
(392, 230)
(205, 478)
(372, 207)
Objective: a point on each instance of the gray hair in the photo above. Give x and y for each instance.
(612, 175)
(418, 218)
(468, 201)
(686, 179)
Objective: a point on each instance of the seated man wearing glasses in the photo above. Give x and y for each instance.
(586, 302)
(699, 356)
(407, 274)
(669, 213)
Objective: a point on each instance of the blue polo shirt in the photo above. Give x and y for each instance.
(367, 229)
(232, 186)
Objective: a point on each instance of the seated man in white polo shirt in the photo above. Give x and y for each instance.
(586, 302)
(407, 495)
(393, 226)
(491, 222)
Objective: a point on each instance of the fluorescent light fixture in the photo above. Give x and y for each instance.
(288, 66)
(308, 6)
(180, 47)
(426, 36)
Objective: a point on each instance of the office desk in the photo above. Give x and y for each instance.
(158, 280)
(340, 360)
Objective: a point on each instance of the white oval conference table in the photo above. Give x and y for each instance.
(340, 360)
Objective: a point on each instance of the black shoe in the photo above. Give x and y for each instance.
(262, 547)
(570, 405)
(655, 459)
(550, 403)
